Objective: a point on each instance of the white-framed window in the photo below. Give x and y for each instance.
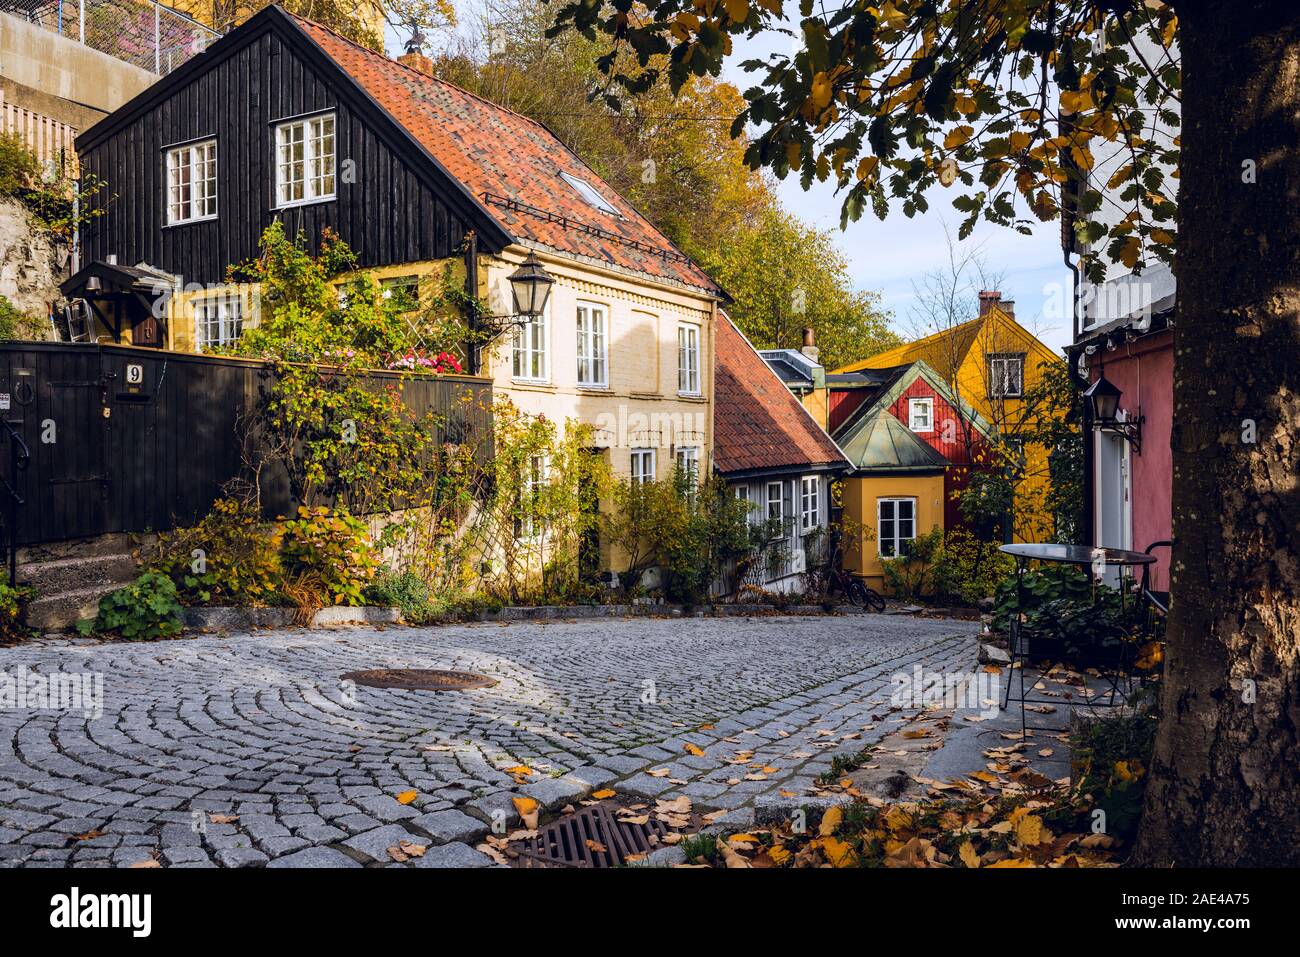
(810, 502)
(402, 292)
(305, 160)
(643, 466)
(895, 524)
(688, 359)
(529, 358)
(589, 194)
(536, 473)
(1006, 376)
(593, 345)
(688, 460)
(776, 500)
(920, 415)
(217, 322)
(192, 182)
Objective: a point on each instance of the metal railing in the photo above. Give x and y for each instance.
(150, 35)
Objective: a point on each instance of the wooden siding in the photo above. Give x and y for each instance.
(158, 458)
(48, 138)
(951, 441)
(388, 214)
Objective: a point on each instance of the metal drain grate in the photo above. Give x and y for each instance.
(590, 838)
(419, 679)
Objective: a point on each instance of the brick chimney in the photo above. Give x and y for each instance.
(418, 62)
(993, 297)
(809, 347)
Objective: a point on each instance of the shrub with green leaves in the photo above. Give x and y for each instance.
(146, 609)
(329, 554)
(231, 557)
(918, 572)
(973, 569)
(1109, 758)
(1068, 614)
(404, 590)
(12, 601)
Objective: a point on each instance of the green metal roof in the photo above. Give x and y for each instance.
(880, 443)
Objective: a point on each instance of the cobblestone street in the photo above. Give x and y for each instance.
(256, 737)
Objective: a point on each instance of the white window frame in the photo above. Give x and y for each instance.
(810, 502)
(687, 458)
(779, 501)
(393, 284)
(642, 467)
(536, 476)
(224, 313)
(916, 405)
(593, 345)
(191, 183)
(688, 359)
(317, 165)
(531, 361)
(998, 367)
(894, 539)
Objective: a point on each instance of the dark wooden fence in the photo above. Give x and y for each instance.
(125, 439)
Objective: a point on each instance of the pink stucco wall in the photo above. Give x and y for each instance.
(1144, 372)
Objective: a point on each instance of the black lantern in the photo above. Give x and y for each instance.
(1103, 400)
(531, 285)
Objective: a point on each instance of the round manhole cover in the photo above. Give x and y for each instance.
(419, 679)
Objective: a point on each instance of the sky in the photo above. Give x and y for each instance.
(893, 256)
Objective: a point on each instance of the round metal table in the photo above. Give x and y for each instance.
(1099, 559)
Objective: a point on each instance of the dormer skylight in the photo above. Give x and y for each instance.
(589, 194)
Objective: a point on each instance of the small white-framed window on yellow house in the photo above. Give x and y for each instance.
(218, 321)
(305, 160)
(920, 414)
(192, 182)
(688, 359)
(401, 293)
(529, 361)
(643, 466)
(528, 522)
(1006, 376)
(593, 345)
(895, 525)
(810, 502)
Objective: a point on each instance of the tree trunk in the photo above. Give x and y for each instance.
(1225, 780)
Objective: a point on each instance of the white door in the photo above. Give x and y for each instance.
(1112, 504)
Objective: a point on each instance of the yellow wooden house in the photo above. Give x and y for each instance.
(990, 363)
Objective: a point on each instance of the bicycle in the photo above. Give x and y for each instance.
(855, 590)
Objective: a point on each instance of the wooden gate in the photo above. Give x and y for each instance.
(125, 439)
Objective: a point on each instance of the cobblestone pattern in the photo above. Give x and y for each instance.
(260, 728)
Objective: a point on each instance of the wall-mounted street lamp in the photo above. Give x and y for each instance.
(530, 287)
(1102, 398)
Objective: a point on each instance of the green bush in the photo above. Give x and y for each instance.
(12, 601)
(404, 590)
(1109, 758)
(919, 571)
(327, 557)
(230, 558)
(147, 608)
(972, 569)
(1070, 616)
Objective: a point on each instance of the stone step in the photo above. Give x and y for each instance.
(51, 612)
(50, 578)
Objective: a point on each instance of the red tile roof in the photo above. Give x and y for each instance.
(515, 162)
(758, 424)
